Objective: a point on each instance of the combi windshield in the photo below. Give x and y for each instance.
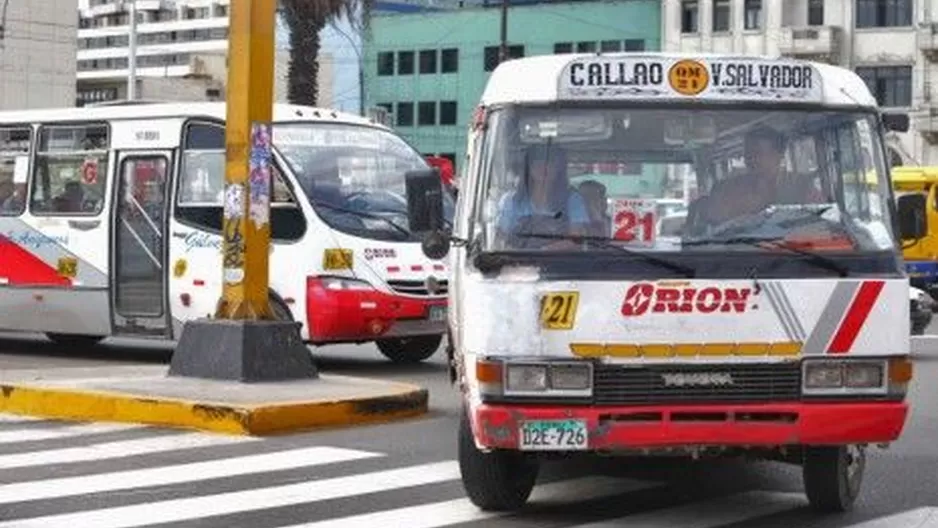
(353, 176)
(682, 179)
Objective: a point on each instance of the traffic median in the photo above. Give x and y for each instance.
(146, 395)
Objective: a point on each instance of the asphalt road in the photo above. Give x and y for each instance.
(403, 474)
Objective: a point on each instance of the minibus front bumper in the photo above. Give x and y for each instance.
(342, 310)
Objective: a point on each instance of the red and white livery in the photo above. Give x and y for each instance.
(110, 225)
(770, 320)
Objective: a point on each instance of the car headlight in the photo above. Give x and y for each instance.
(844, 376)
(535, 378)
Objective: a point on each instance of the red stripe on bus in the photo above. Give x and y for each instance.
(856, 315)
(22, 268)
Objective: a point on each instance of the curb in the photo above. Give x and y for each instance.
(405, 402)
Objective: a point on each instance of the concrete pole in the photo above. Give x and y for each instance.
(132, 53)
(247, 170)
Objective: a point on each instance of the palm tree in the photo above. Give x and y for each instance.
(305, 19)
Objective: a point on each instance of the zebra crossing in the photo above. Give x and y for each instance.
(55, 474)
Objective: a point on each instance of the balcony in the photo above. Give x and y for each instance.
(927, 38)
(926, 122)
(820, 43)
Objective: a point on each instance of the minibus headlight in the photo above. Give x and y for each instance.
(569, 376)
(526, 378)
(863, 375)
(823, 376)
(848, 376)
(343, 283)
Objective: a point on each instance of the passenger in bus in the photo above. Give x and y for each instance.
(9, 201)
(71, 200)
(594, 193)
(544, 202)
(760, 186)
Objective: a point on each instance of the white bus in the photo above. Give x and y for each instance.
(775, 324)
(111, 216)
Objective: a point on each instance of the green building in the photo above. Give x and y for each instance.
(428, 67)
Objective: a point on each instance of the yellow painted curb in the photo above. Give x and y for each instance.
(90, 405)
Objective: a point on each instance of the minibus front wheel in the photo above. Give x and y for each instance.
(833, 476)
(412, 349)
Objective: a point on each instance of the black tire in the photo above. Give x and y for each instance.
(500, 481)
(410, 349)
(833, 477)
(75, 340)
(279, 309)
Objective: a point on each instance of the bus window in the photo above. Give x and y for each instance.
(14, 157)
(200, 192)
(71, 170)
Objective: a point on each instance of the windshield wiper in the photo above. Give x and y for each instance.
(778, 242)
(362, 214)
(607, 243)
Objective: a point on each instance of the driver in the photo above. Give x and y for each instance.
(544, 202)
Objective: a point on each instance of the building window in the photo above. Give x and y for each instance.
(563, 47)
(890, 85)
(610, 45)
(449, 60)
(426, 113)
(405, 62)
(70, 171)
(689, 16)
(491, 55)
(405, 114)
(721, 15)
(388, 107)
(586, 47)
(634, 45)
(752, 13)
(815, 12)
(884, 13)
(386, 63)
(428, 61)
(447, 112)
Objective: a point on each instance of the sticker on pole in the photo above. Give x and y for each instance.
(234, 201)
(259, 175)
(633, 221)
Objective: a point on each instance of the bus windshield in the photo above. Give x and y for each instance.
(353, 176)
(682, 179)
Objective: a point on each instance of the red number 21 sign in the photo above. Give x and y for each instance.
(634, 222)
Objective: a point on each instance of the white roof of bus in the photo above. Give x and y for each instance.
(217, 110)
(535, 79)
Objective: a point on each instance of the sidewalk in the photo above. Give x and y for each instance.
(145, 395)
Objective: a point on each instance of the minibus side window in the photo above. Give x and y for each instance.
(71, 169)
(200, 192)
(14, 162)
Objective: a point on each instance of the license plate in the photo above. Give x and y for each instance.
(553, 435)
(437, 313)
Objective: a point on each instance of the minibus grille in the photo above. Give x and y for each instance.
(743, 383)
(417, 288)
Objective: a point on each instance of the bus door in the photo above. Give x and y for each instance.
(138, 244)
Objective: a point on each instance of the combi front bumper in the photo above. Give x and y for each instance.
(754, 425)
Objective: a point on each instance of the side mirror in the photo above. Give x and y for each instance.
(425, 211)
(896, 122)
(913, 223)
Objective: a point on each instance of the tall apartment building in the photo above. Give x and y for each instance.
(891, 44)
(37, 54)
(182, 47)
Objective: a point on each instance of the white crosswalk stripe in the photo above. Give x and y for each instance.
(158, 477)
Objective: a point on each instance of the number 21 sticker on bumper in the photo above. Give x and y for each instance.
(633, 221)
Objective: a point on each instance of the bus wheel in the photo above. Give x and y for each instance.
(832, 476)
(409, 349)
(497, 481)
(75, 340)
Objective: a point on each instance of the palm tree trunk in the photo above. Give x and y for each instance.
(302, 76)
